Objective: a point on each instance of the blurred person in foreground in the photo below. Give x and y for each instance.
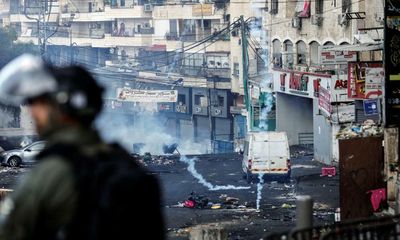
(81, 188)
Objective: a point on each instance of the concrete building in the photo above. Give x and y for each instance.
(311, 45)
(147, 44)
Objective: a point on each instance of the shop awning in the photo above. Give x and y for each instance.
(357, 47)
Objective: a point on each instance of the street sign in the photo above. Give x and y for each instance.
(324, 101)
(149, 96)
(371, 107)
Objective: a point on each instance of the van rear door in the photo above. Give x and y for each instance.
(278, 154)
(270, 153)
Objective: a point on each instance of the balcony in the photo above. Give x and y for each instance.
(172, 42)
(125, 41)
(127, 12)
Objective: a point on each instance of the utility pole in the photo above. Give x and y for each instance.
(44, 8)
(245, 64)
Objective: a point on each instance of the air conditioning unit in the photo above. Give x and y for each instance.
(343, 20)
(296, 22)
(197, 109)
(316, 19)
(217, 111)
(148, 7)
(181, 108)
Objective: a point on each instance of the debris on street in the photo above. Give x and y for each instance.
(200, 201)
(328, 171)
(367, 129)
(148, 159)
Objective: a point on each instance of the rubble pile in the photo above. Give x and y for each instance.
(148, 159)
(367, 129)
(200, 201)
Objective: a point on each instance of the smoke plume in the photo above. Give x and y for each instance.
(144, 128)
(259, 189)
(192, 169)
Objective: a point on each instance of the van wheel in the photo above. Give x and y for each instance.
(249, 177)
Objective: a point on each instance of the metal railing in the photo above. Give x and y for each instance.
(373, 228)
(306, 139)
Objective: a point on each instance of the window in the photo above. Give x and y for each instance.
(200, 100)
(319, 6)
(236, 71)
(314, 48)
(287, 58)
(37, 147)
(346, 6)
(276, 53)
(274, 6)
(193, 60)
(221, 101)
(301, 53)
(181, 99)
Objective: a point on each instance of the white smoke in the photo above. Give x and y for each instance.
(191, 168)
(7, 117)
(259, 189)
(147, 129)
(261, 37)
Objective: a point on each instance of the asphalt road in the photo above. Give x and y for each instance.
(277, 206)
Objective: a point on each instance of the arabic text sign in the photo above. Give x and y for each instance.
(324, 100)
(135, 95)
(374, 78)
(328, 56)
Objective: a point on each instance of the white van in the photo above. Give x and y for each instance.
(266, 153)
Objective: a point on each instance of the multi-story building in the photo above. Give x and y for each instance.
(183, 45)
(196, 48)
(312, 43)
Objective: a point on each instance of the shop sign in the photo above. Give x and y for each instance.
(357, 74)
(282, 78)
(374, 78)
(298, 83)
(165, 107)
(149, 96)
(336, 57)
(339, 88)
(340, 84)
(199, 10)
(371, 107)
(324, 101)
(316, 85)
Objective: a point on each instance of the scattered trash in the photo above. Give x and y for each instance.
(287, 206)
(189, 204)
(147, 157)
(321, 206)
(377, 196)
(367, 129)
(196, 201)
(216, 206)
(328, 171)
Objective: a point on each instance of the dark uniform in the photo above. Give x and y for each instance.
(50, 202)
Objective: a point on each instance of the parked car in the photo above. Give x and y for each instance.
(266, 153)
(27, 154)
